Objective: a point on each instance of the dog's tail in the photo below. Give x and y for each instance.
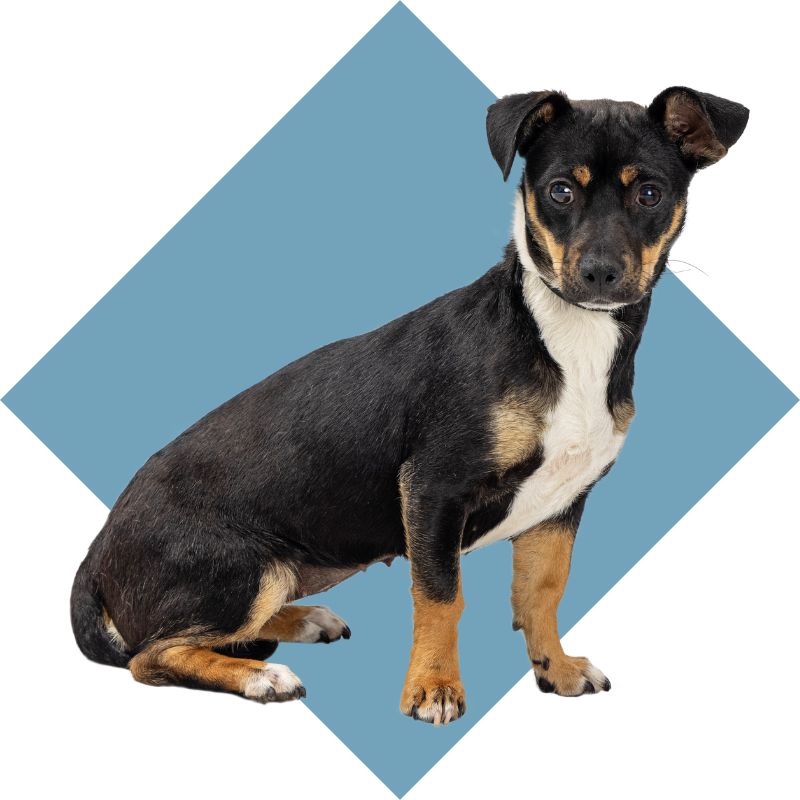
(86, 608)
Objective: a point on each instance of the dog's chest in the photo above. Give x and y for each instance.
(580, 439)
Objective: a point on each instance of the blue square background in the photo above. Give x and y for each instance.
(373, 195)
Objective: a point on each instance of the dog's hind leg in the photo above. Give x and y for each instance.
(192, 658)
(305, 624)
(291, 624)
(178, 662)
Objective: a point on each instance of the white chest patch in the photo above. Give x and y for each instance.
(580, 439)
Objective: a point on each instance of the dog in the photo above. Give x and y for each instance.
(487, 414)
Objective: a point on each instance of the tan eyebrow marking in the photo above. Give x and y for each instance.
(582, 174)
(627, 175)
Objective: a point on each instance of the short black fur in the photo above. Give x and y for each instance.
(384, 444)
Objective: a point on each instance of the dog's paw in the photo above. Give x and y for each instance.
(433, 700)
(322, 625)
(569, 676)
(273, 683)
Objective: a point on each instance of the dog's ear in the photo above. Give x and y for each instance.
(513, 122)
(703, 126)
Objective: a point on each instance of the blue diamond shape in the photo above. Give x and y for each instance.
(373, 195)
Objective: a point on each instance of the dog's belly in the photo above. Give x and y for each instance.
(313, 579)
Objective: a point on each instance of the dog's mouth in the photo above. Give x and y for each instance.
(604, 289)
(593, 303)
(628, 293)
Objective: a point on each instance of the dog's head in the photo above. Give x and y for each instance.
(604, 185)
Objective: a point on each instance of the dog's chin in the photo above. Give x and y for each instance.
(610, 303)
(599, 305)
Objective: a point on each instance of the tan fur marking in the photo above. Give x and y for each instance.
(518, 426)
(403, 482)
(433, 680)
(287, 624)
(176, 662)
(628, 174)
(543, 114)
(541, 565)
(583, 175)
(114, 634)
(277, 586)
(546, 112)
(623, 413)
(554, 249)
(684, 121)
(652, 253)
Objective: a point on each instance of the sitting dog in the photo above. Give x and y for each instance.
(486, 414)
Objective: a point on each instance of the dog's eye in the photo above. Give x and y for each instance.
(561, 193)
(648, 196)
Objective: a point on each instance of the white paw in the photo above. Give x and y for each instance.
(274, 683)
(322, 625)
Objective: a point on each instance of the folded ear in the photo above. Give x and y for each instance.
(513, 122)
(702, 125)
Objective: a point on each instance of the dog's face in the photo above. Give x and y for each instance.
(604, 185)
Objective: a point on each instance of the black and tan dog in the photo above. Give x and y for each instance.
(487, 414)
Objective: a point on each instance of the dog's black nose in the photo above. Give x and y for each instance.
(598, 276)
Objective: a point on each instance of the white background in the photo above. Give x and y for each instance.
(117, 119)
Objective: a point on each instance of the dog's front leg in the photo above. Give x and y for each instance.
(433, 691)
(541, 565)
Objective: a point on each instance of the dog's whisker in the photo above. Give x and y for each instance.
(688, 264)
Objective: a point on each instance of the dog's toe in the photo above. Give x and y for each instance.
(545, 685)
